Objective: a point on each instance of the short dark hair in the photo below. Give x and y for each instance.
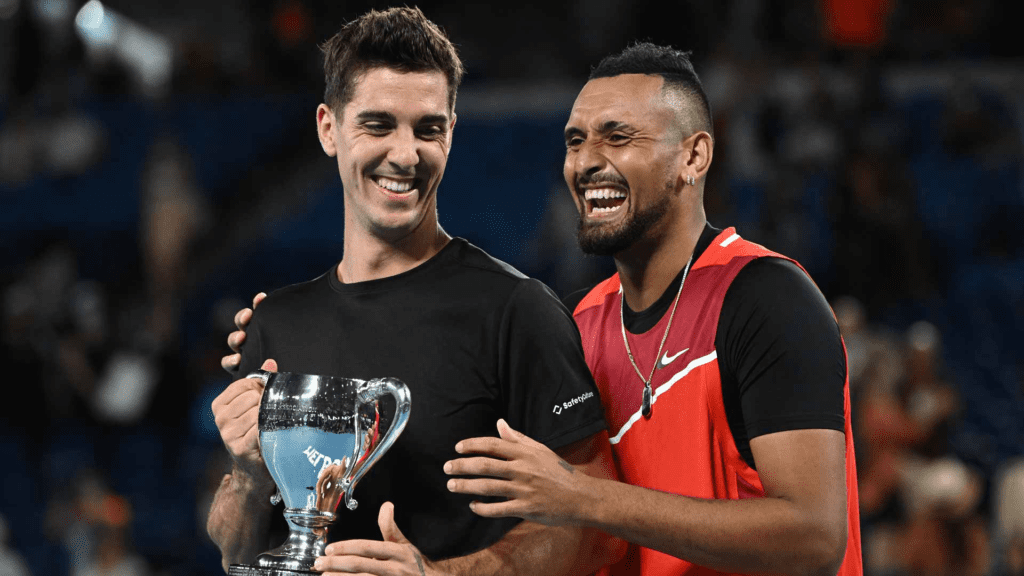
(671, 64)
(399, 38)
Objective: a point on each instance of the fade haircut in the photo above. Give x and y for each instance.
(399, 38)
(673, 66)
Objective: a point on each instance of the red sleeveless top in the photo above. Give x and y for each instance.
(686, 447)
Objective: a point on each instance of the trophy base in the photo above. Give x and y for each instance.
(243, 570)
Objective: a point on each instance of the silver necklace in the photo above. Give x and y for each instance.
(648, 399)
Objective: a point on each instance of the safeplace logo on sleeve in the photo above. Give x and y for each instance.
(570, 403)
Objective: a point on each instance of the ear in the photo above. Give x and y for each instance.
(325, 121)
(451, 132)
(698, 150)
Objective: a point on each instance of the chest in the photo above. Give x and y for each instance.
(447, 357)
(669, 354)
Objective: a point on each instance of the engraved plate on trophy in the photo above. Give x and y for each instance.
(319, 435)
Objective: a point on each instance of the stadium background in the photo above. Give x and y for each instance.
(159, 166)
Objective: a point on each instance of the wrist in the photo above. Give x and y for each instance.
(255, 487)
(594, 499)
(432, 569)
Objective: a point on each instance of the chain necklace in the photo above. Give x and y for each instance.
(648, 400)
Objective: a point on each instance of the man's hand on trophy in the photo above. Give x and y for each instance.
(395, 556)
(540, 486)
(236, 338)
(236, 412)
(330, 486)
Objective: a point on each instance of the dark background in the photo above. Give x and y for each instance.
(159, 166)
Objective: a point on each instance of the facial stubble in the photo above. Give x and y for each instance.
(603, 239)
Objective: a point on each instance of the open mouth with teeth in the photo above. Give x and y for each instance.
(395, 187)
(601, 202)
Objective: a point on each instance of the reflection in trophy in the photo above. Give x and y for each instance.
(318, 436)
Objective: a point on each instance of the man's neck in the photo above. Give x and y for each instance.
(648, 267)
(368, 257)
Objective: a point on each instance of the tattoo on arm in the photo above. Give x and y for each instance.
(567, 466)
(419, 563)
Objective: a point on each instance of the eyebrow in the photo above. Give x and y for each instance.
(382, 116)
(611, 126)
(605, 128)
(572, 132)
(376, 115)
(433, 119)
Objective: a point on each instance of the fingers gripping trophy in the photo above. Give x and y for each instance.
(318, 436)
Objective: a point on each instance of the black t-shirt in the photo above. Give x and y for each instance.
(780, 354)
(474, 340)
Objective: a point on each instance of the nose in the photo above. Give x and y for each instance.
(589, 160)
(404, 152)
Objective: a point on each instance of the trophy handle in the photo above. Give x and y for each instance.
(264, 376)
(367, 393)
(261, 375)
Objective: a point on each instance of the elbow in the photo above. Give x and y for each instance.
(612, 549)
(829, 565)
(215, 529)
(826, 551)
(213, 532)
(602, 550)
(617, 550)
(216, 534)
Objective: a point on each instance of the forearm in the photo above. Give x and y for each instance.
(239, 520)
(752, 536)
(530, 549)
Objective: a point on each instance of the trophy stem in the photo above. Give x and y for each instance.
(306, 541)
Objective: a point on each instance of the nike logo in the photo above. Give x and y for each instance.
(661, 390)
(666, 359)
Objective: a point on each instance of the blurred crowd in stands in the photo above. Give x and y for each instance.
(879, 142)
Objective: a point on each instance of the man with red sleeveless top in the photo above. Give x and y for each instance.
(720, 365)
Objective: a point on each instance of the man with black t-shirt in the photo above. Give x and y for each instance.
(475, 340)
(719, 362)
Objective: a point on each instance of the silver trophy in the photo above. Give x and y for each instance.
(318, 436)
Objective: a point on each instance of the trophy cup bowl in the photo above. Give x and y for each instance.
(318, 436)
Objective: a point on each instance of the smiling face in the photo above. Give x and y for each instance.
(391, 141)
(623, 161)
